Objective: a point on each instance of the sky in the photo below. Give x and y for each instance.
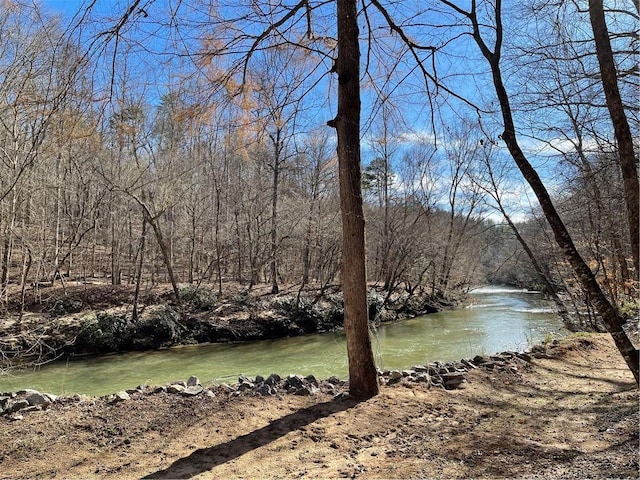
(65, 7)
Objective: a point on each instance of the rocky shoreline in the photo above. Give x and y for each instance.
(97, 320)
(448, 376)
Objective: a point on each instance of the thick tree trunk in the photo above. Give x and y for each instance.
(363, 377)
(609, 78)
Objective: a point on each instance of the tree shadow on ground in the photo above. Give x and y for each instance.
(597, 374)
(205, 459)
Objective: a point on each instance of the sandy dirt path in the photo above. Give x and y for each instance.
(571, 415)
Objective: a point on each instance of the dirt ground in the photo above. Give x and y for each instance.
(571, 415)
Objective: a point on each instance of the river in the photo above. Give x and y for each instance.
(496, 319)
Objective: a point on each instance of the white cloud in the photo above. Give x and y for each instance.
(555, 146)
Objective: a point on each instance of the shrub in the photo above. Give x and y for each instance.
(104, 333)
(200, 298)
(629, 309)
(163, 327)
(303, 312)
(66, 305)
(244, 299)
(375, 302)
(283, 304)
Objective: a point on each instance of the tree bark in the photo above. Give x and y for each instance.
(609, 78)
(363, 377)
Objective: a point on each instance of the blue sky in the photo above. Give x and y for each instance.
(66, 7)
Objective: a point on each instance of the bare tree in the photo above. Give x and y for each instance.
(628, 159)
(315, 167)
(277, 85)
(40, 69)
(463, 199)
(492, 54)
(378, 177)
(492, 180)
(363, 377)
(562, 77)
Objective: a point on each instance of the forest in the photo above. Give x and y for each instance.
(190, 142)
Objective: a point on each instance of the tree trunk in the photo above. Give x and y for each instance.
(217, 241)
(116, 274)
(544, 275)
(306, 249)
(626, 153)
(166, 254)
(192, 246)
(363, 377)
(239, 244)
(586, 277)
(7, 246)
(273, 266)
(136, 294)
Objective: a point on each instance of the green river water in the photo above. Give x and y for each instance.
(497, 319)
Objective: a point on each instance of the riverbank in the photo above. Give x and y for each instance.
(570, 413)
(77, 319)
